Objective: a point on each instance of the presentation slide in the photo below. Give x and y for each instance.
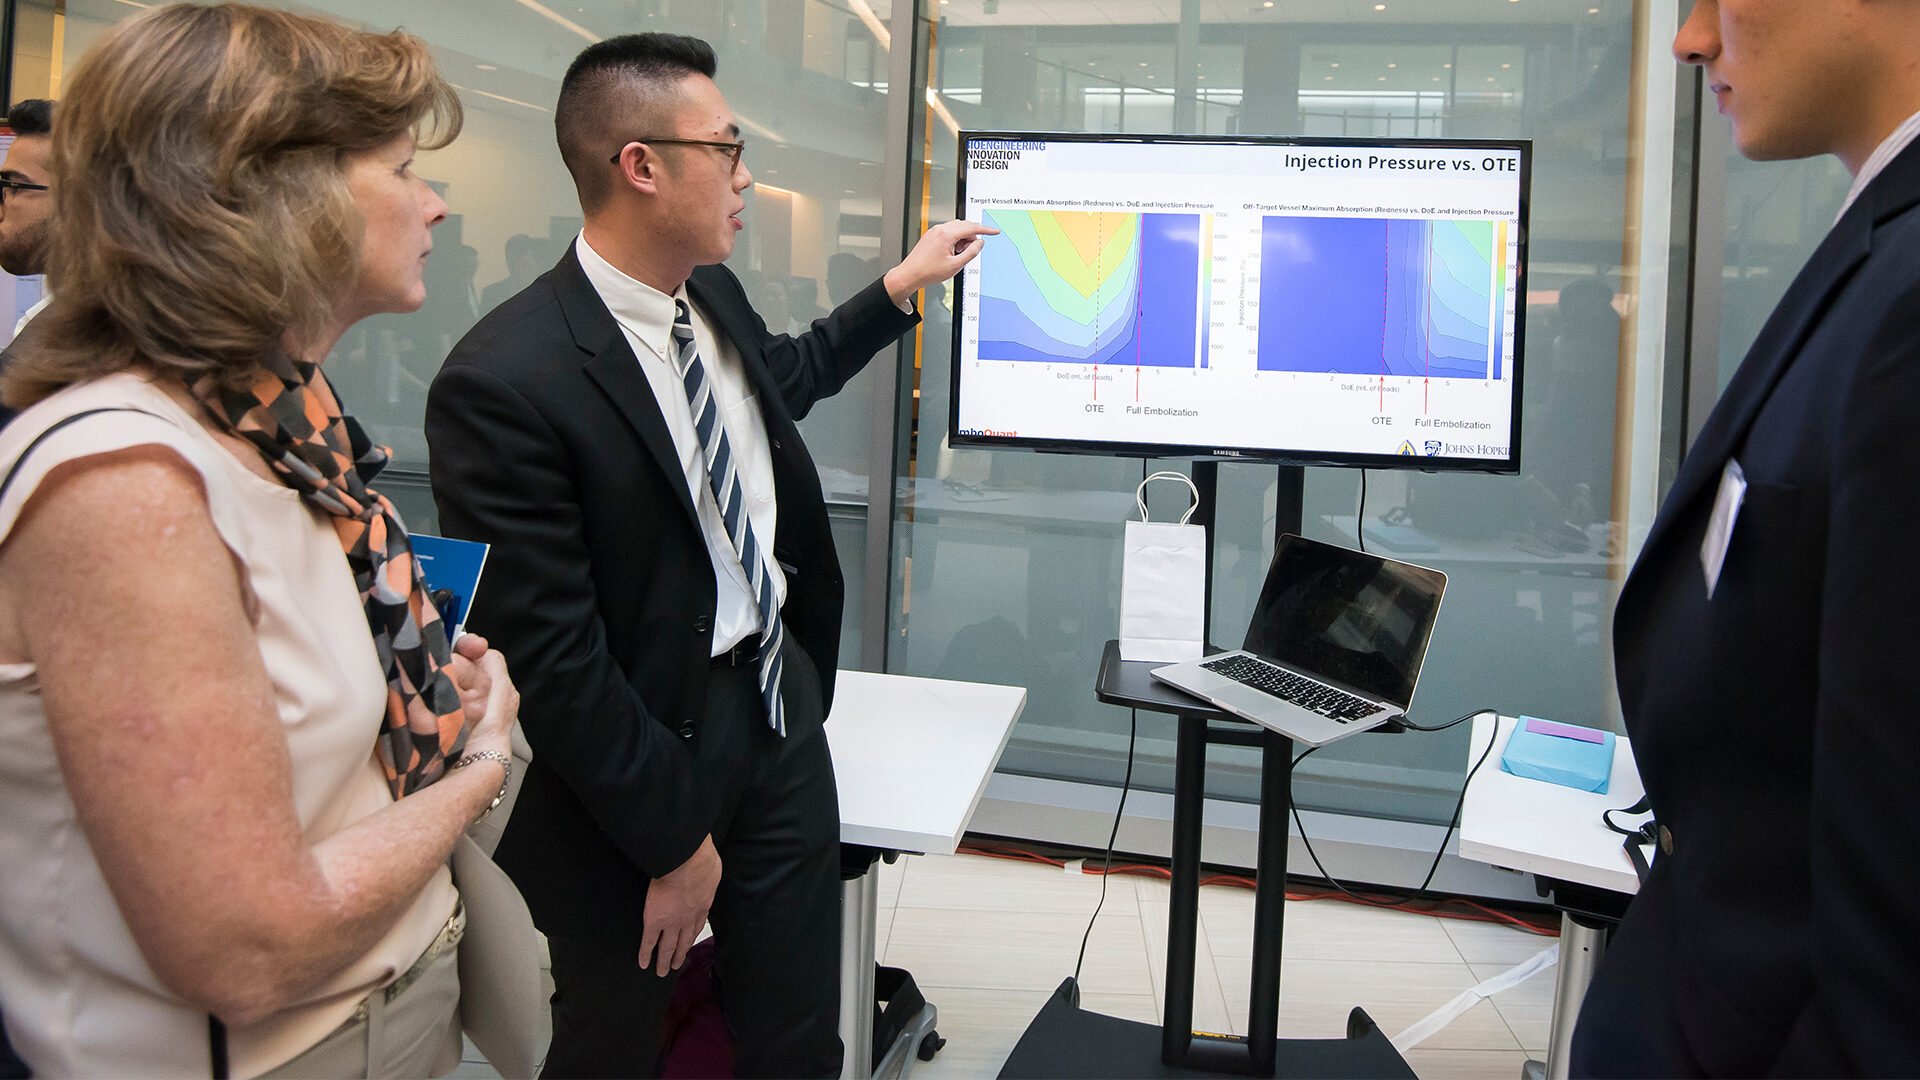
(1339, 301)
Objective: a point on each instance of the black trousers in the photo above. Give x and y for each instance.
(775, 916)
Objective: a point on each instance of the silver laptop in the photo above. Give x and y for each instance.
(1335, 647)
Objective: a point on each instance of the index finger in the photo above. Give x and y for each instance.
(472, 646)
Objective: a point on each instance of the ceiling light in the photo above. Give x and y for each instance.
(1393, 65)
(498, 97)
(560, 20)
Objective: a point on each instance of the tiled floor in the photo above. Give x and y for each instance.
(987, 940)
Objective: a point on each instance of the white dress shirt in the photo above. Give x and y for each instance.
(26, 316)
(1882, 155)
(645, 315)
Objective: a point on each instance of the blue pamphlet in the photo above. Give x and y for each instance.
(1564, 754)
(452, 569)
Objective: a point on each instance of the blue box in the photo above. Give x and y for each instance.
(1566, 754)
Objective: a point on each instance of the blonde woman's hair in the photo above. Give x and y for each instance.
(202, 218)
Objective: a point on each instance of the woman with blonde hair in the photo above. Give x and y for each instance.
(236, 748)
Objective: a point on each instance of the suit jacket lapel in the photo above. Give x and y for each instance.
(1785, 333)
(612, 364)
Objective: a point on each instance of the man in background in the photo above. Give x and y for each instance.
(1763, 642)
(26, 217)
(26, 197)
(663, 574)
(523, 265)
(26, 206)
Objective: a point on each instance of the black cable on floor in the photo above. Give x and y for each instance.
(1452, 823)
(1126, 781)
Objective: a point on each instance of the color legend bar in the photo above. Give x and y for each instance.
(1499, 296)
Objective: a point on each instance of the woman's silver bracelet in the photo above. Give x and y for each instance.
(506, 777)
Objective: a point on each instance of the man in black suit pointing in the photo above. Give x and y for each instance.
(623, 433)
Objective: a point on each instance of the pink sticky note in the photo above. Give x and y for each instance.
(1564, 731)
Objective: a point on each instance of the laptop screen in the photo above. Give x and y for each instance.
(1347, 617)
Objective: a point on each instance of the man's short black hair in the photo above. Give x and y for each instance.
(613, 90)
(32, 116)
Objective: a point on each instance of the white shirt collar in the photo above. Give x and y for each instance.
(642, 309)
(1902, 137)
(26, 316)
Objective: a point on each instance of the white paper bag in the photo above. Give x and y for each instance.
(1163, 581)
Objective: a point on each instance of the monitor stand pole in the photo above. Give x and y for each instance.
(1288, 514)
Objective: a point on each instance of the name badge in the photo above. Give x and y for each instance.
(1726, 511)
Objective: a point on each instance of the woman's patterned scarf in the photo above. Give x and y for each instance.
(292, 417)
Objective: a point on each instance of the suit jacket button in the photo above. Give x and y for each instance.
(702, 624)
(1666, 841)
(686, 731)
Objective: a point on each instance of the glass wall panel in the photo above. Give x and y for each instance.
(807, 79)
(1007, 564)
(1777, 212)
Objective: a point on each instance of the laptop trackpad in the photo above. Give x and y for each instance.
(1248, 700)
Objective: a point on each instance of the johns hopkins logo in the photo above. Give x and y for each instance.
(1434, 446)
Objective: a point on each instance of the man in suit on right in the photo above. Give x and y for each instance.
(1764, 641)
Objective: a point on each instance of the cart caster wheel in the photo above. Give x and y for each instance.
(931, 1045)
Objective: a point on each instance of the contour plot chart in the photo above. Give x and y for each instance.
(1380, 296)
(1090, 287)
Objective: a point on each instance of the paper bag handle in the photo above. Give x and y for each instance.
(1140, 493)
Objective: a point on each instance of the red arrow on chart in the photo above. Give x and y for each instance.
(1139, 316)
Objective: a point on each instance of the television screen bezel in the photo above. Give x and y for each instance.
(1510, 465)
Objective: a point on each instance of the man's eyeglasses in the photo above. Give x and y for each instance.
(7, 185)
(733, 149)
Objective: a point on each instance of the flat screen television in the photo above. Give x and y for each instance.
(1352, 302)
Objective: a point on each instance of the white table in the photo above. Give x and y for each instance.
(1556, 833)
(911, 758)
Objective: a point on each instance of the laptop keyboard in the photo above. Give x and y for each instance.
(1285, 685)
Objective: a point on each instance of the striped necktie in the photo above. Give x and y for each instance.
(723, 478)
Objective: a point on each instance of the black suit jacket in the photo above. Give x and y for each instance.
(1775, 724)
(548, 443)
